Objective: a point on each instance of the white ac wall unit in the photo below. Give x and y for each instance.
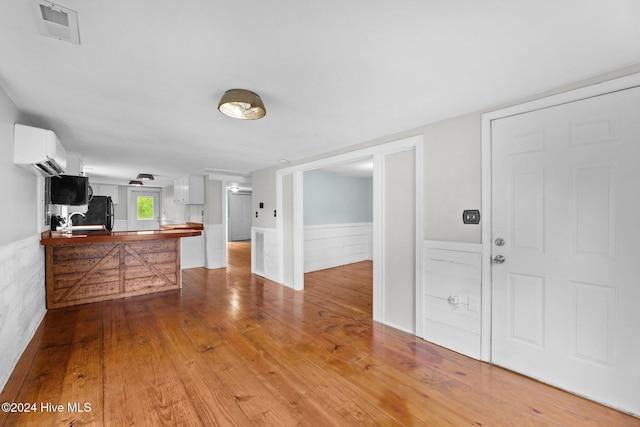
(56, 21)
(38, 150)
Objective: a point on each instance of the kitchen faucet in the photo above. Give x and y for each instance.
(69, 223)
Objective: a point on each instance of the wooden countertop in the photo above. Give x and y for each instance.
(187, 226)
(60, 238)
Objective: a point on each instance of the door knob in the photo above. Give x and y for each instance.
(499, 259)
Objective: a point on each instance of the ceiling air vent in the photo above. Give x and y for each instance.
(57, 21)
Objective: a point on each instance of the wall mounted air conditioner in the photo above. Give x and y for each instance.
(38, 150)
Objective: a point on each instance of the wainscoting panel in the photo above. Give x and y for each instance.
(451, 298)
(264, 252)
(22, 299)
(333, 245)
(215, 246)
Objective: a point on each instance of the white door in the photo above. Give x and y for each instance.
(144, 208)
(566, 202)
(240, 217)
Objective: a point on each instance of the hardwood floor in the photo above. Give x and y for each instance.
(235, 349)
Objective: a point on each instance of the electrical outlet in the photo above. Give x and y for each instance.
(453, 301)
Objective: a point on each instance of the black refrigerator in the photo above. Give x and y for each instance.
(100, 212)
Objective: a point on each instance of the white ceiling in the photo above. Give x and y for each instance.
(140, 92)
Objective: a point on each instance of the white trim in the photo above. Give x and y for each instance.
(350, 224)
(279, 229)
(225, 221)
(378, 238)
(298, 231)
(485, 287)
(487, 119)
(566, 97)
(419, 235)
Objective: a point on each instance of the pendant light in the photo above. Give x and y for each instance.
(242, 104)
(145, 177)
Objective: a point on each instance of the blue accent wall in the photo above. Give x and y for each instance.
(330, 198)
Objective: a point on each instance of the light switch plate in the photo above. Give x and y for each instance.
(471, 217)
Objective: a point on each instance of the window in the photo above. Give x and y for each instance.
(145, 208)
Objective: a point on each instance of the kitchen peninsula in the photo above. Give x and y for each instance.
(98, 266)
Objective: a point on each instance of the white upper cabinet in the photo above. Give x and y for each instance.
(189, 190)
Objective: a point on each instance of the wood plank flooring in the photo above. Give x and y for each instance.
(235, 349)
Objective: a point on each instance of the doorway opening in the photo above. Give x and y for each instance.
(338, 228)
(239, 215)
(397, 225)
(237, 208)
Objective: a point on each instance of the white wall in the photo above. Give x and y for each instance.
(452, 169)
(287, 218)
(452, 178)
(399, 240)
(215, 254)
(331, 198)
(213, 211)
(22, 295)
(19, 219)
(264, 191)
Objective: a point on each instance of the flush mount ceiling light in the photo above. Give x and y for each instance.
(135, 182)
(145, 177)
(235, 188)
(241, 104)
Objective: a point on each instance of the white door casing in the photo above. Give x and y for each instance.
(563, 195)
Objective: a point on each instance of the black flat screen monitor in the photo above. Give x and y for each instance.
(69, 190)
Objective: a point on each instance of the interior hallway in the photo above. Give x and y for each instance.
(235, 349)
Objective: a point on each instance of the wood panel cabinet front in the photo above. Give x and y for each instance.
(79, 274)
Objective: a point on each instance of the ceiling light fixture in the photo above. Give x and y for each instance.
(235, 188)
(145, 177)
(242, 104)
(134, 182)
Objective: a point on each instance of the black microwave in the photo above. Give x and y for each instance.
(68, 190)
